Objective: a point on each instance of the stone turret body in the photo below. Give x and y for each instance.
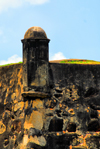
(35, 60)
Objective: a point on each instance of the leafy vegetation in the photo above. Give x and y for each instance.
(72, 61)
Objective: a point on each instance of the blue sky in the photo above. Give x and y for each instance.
(73, 26)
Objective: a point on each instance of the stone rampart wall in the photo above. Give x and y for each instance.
(69, 118)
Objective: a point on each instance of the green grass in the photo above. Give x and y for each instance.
(10, 64)
(64, 61)
(80, 62)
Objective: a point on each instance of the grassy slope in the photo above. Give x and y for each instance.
(10, 64)
(76, 61)
(81, 61)
(67, 61)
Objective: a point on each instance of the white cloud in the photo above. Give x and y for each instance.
(6, 4)
(37, 2)
(58, 56)
(12, 59)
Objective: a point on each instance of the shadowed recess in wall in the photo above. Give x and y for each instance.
(91, 92)
(56, 124)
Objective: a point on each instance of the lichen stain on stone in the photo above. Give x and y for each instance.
(18, 106)
(98, 113)
(11, 83)
(25, 140)
(26, 104)
(38, 140)
(35, 119)
(38, 104)
(40, 76)
(2, 127)
(72, 93)
(71, 111)
(34, 140)
(27, 125)
(16, 126)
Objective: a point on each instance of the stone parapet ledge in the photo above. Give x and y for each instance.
(35, 94)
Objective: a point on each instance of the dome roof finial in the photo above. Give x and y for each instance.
(35, 33)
